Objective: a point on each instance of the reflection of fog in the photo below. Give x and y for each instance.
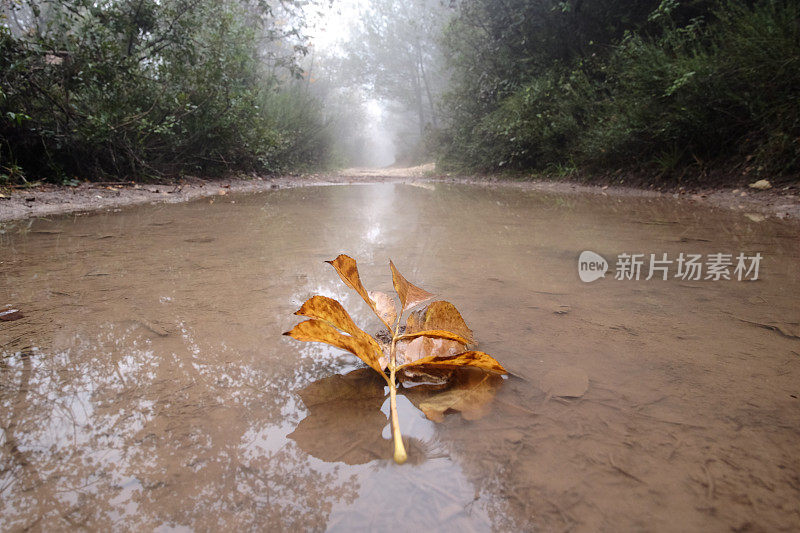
(377, 214)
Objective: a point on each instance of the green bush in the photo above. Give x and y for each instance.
(707, 91)
(137, 88)
(687, 88)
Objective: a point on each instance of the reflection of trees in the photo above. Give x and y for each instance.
(138, 428)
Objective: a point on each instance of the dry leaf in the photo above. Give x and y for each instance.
(432, 347)
(7, 315)
(566, 382)
(329, 310)
(332, 312)
(410, 295)
(347, 268)
(439, 315)
(475, 359)
(384, 305)
(319, 331)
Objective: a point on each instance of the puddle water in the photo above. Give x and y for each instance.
(148, 385)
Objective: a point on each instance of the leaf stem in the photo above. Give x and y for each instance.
(400, 454)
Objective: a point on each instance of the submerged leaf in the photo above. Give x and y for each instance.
(410, 295)
(384, 306)
(470, 392)
(473, 359)
(347, 269)
(320, 331)
(439, 315)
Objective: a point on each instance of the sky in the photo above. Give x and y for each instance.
(332, 25)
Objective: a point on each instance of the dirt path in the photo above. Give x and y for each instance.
(45, 200)
(148, 369)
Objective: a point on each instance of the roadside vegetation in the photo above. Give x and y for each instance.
(676, 89)
(136, 89)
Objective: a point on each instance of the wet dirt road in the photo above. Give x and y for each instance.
(148, 385)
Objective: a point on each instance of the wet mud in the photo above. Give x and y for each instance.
(147, 384)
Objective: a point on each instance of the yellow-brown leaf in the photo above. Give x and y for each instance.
(332, 312)
(410, 295)
(440, 315)
(384, 306)
(347, 268)
(437, 333)
(473, 359)
(319, 331)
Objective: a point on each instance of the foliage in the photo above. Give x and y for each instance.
(150, 87)
(660, 85)
(432, 345)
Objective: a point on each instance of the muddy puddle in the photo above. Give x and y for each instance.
(148, 387)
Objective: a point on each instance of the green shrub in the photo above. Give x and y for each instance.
(689, 88)
(150, 88)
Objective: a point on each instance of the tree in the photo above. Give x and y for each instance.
(396, 53)
(153, 87)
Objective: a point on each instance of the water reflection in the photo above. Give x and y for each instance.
(347, 423)
(133, 428)
(148, 385)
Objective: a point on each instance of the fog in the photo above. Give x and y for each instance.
(381, 54)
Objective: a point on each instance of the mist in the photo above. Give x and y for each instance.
(385, 54)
